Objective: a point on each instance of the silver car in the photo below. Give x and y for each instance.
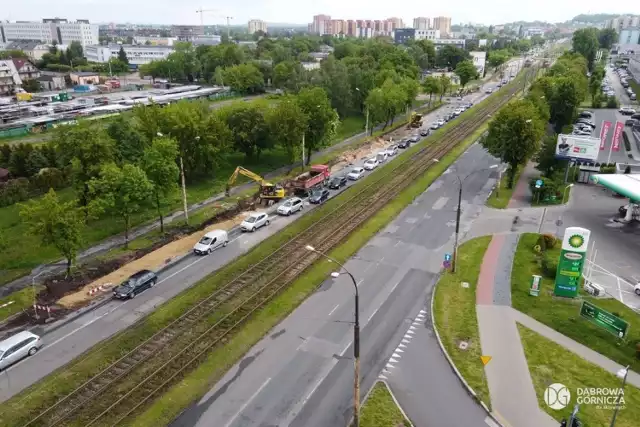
(18, 347)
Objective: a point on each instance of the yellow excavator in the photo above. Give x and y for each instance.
(268, 191)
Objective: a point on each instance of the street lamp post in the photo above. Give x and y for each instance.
(461, 181)
(622, 373)
(183, 182)
(33, 290)
(356, 335)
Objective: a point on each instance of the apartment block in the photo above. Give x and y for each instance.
(421, 23)
(443, 24)
(367, 28)
(256, 25)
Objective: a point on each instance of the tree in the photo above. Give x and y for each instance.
(335, 80)
(130, 143)
(12, 53)
(287, 123)
(75, 51)
(466, 71)
(497, 58)
(56, 223)
(18, 165)
(121, 192)
(288, 75)
(36, 161)
(159, 164)
(85, 148)
(563, 103)
(607, 37)
(445, 83)
(322, 119)
(546, 160)
(514, 136)
(244, 78)
(31, 85)
(585, 42)
(431, 85)
(449, 56)
(246, 121)
(122, 56)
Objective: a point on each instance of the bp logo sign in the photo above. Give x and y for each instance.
(576, 241)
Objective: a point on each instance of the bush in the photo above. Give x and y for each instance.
(550, 240)
(596, 101)
(612, 102)
(549, 188)
(14, 191)
(549, 267)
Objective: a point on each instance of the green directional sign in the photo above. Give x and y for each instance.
(571, 262)
(604, 319)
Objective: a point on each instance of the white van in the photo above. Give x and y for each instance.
(211, 241)
(18, 347)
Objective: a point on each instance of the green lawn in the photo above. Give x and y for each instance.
(563, 315)
(380, 409)
(551, 363)
(455, 314)
(501, 195)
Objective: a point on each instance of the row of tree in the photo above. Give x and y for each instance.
(587, 42)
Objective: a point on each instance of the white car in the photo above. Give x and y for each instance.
(290, 206)
(489, 90)
(371, 164)
(440, 122)
(457, 111)
(355, 174)
(382, 156)
(392, 151)
(435, 125)
(255, 221)
(628, 111)
(211, 241)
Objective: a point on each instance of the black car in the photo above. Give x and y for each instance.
(337, 181)
(318, 196)
(424, 132)
(586, 122)
(135, 284)
(405, 143)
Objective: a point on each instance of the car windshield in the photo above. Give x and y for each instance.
(316, 193)
(251, 219)
(335, 180)
(356, 171)
(205, 240)
(288, 203)
(129, 283)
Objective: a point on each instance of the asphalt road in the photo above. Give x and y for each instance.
(70, 340)
(301, 374)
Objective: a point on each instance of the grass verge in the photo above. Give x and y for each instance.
(17, 301)
(551, 363)
(454, 309)
(18, 410)
(501, 196)
(198, 382)
(381, 410)
(563, 314)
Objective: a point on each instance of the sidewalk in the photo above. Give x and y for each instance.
(522, 196)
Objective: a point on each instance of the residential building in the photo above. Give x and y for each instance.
(530, 32)
(442, 23)
(323, 24)
(187, 33)
(25, 69)
(311, 65)
(50, 81)
(51, 30)
(396, 23)
(319, 24)
(10, 80)
(630, 35)
(452, 42)
(154, 41)
(479, 60)
(421, 23)
(256, 25)
(33, 49)
(136, 54)
(623, 22)
(84, 77)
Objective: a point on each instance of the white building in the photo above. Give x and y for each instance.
(629, 36)
(432, 35)
(136, 54)
(530, 32)
(479, 60)
(453, 42)
(256, 25)
(58, 31)
(10, 79)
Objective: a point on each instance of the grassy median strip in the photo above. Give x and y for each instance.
(563, 314)
(381, 410)
(18, 410)
(551, 363)
(455, 314)
(198, 382)
(501, 195)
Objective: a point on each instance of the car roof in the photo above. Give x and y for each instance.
(15, 339)
(139, 273)
(254, 214)
(214, 233)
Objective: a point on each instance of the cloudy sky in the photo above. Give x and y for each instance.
(301, 12)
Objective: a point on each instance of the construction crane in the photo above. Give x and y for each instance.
(268, 191)
(201, 11)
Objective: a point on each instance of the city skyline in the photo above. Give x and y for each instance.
(287, 11)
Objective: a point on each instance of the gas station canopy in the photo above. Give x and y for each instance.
(627, 185)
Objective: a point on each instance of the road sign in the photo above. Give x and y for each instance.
(539, 183)
(571, 262)
(447, 257)
(604, 319)
(534, 288)
(485, 359)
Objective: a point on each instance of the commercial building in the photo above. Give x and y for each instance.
(256, 25)
(136, 54)
(51, 30)
(443, 24)
(421, 23)
(440, 43)
(403, 35)
(530, 32)
(630, 35)
(479, 60)
(154, 41)
(187, 33)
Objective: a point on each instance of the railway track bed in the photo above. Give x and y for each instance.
(131, 381)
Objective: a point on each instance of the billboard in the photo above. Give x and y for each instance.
(617, 135)
(571, 262)
(575, 147)
(604, 132)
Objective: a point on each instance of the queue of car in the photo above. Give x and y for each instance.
(624, 81)
(584, 125)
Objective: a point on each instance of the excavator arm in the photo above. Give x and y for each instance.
(242, 171)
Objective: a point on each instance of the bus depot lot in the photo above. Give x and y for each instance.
(72, 339)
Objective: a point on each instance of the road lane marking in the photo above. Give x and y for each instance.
(334, 309)
(243, 407)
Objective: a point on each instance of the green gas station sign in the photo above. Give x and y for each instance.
(571, 262)
(604, 319)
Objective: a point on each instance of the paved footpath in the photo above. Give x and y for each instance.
(522, 195)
